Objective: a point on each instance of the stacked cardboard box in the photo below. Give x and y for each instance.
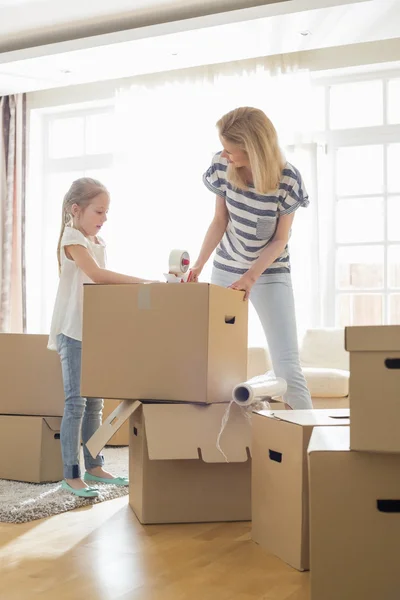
(179, 350)
(280, 479)
(31, 406)
(354, 479)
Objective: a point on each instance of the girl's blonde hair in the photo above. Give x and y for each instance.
(81, 192)
(251, 130)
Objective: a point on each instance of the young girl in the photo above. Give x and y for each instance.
(257, 194)
(81, 259)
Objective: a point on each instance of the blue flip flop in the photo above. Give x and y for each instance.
(123, 481)
(89, 492)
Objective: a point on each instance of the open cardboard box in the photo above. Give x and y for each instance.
(374, 387)
(173, 343)
(280, 479)
(177, 473)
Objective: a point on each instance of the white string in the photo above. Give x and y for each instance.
(258, 404)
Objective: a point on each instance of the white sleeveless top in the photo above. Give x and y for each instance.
(68, 308)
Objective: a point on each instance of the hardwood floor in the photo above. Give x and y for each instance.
(103, 553)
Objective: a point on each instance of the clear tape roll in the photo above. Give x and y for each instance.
(179, 261)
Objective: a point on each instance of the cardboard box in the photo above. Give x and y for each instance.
(280, 479)
(120, 437)
(30, 449)
(354, 520)
(374, 387)
(177, 474)
(30, 376)
(185, 343)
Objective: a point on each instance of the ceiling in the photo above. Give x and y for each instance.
(257, 31)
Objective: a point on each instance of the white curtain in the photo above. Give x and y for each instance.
(165, 137)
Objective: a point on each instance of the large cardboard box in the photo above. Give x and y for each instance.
(120, 437)
(280, 479)
(30, 376)
(177, 473)
(30, 449)
(354, 519)
(374, 387)
(185, 343)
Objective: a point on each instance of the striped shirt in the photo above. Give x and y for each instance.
(253, 217)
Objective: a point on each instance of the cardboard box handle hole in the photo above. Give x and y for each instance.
(392, 363)
(388, 506)
(275, 456)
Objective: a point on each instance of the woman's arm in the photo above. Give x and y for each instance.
(86, 262)
(213, 236)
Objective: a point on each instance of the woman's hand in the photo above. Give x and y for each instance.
(244, 284)
(194, 273)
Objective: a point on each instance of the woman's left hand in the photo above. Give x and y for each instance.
(244, 284)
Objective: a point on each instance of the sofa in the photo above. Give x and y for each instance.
(325, 364)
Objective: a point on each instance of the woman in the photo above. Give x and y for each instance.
(257, 194)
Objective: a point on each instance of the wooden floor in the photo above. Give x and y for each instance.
(103, 553)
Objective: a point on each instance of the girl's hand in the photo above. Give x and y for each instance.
(244, 284)
(194, 273)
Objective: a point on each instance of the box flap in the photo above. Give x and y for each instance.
(330, 439)
(182, 431)
(53, 423)
(113, 422)
(310, 418)
(374, 338)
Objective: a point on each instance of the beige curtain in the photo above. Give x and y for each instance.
(12, 213)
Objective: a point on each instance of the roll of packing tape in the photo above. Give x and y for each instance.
(179, 261)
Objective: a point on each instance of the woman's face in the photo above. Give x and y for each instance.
(234, 154)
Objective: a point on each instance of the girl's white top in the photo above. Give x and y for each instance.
(68, 308)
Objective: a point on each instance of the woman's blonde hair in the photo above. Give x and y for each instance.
(81, 192)
(251, 130)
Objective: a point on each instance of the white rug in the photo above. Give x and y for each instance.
(23, 502)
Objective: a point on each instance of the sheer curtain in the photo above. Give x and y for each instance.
(165, 137)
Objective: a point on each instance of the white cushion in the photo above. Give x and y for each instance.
(324, 348)
(325, 383)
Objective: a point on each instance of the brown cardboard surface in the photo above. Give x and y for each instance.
(180, 343)
(170, 478)
(354, 535)
(374, 387)
(30, 376)
(280, 479)
(372, 338)
(120, 437)
(30, 449)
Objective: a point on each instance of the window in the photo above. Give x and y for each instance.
(367, 226)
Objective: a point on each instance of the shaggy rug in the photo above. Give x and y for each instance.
(23, 502)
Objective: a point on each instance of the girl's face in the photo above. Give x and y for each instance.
(234, 154)
(92, 218)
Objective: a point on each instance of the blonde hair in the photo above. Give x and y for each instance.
(81, 192)
(251, 130)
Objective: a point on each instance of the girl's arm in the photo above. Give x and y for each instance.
(214, 234)
(86, 262)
